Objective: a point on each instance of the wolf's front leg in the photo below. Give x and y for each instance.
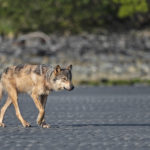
(39, 107)
(43, 99)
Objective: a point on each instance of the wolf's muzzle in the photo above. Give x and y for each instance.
(70, 89)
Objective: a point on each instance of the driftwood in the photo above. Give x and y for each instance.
(42, 37)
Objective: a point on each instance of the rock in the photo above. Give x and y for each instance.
(114, 55)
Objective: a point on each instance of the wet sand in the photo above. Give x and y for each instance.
(112, 118)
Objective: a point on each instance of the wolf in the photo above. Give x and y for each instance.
(36, 80)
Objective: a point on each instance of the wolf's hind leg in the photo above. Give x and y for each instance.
(3, 110)
(14, 98)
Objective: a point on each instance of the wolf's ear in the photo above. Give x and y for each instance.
(57, 69)
(69, 67)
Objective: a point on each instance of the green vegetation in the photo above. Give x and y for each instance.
(71, 16)
(115, 82)
(130, 7)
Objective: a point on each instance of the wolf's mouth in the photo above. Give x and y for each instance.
(66, 89)
(69, 89)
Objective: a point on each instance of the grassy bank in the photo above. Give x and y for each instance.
(115, 82)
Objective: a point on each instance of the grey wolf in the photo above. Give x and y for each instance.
(36, 80)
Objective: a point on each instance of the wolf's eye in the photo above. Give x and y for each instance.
(65, 79)
(54, 79)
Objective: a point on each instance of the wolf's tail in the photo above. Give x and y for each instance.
(1, 90)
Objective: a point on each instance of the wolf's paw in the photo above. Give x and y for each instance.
(45, 125)
(2, 125)
(26, 124)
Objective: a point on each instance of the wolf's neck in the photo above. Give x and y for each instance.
(49, 72)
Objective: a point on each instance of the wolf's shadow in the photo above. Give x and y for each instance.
(104, 125)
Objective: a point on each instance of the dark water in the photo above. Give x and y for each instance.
(112, 118)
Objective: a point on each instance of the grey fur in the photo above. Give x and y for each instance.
(49, 72)
(6, 70)
(38, 70)
(19, 67)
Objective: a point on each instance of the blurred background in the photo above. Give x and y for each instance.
(107, 41)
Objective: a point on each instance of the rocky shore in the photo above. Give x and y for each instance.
(109, 56)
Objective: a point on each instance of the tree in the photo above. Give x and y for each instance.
(128, 8)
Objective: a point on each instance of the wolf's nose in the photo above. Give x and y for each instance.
(72, 87)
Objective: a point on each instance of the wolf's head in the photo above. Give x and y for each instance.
(62, 78)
